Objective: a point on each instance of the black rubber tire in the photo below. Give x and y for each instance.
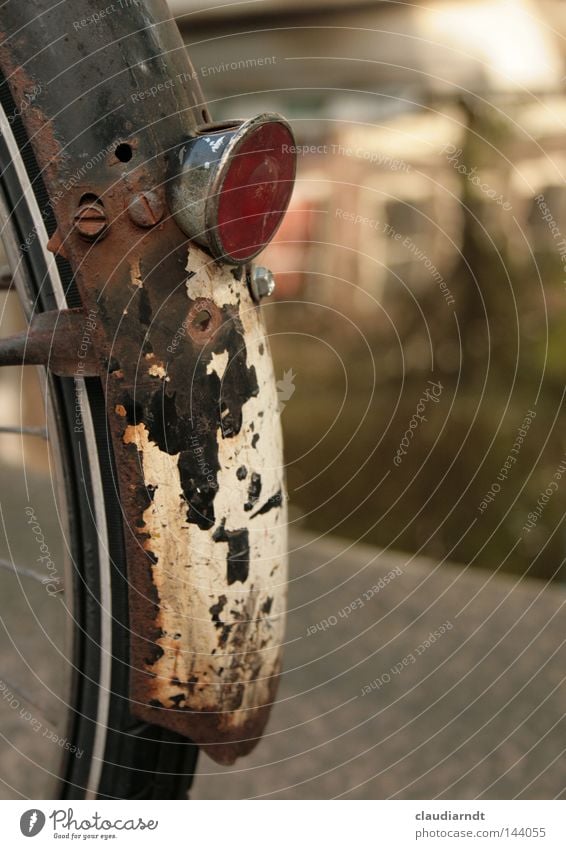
(141, 761)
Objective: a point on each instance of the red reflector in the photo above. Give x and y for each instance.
(255, 191)
(233, 185)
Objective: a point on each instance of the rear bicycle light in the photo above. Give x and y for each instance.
(234, 185)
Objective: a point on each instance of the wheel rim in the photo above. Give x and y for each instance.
(55, 772)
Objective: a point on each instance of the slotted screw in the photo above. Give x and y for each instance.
(90, 220)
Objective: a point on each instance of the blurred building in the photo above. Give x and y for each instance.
(375, 93)
(427, 134)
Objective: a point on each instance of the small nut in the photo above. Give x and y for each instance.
(262, 282)
(146, 209)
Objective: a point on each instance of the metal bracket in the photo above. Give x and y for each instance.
(58, 340)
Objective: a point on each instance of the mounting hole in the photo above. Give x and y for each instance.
(124, 152)
(202, 320)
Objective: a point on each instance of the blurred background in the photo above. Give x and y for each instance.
(424, 250)
(415, 250)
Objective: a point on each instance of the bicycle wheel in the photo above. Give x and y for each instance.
(67, 728)
(179, 582)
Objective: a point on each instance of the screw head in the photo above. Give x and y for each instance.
(146, 209)
(262, 282)
(90, 220)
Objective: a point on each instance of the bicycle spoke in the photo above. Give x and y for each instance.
(24, 697)
(40, 432)
(18, 569)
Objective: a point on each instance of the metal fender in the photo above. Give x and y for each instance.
(214, 526)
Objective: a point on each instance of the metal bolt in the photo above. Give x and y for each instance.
(90, 220)
(262, 282)
(146, 209)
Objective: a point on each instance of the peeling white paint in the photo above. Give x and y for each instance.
(190, 572)
(157, 370)
(209, 280)
(135, 273)
(217, 364)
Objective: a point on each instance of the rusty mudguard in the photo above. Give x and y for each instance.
(211, 518)
(180, 349)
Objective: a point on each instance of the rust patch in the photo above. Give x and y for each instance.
(55, 245)
(38, 126)
(135, 272)
(203, 320)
